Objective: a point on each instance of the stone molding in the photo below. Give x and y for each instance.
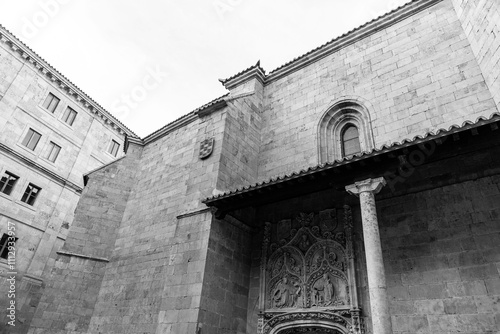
(368, 185)
(253, 72)
(83, 256)
(193, 213)
(344, 110)
(53, 176)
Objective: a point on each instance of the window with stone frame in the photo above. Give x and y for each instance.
(7, 182)
(51, 102)
(69, 116)
(113, 148)
(53, 152)
(30, 194)
(31, 139)
(344, 130)
(4, 245)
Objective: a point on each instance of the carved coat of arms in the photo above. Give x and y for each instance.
(206, 148)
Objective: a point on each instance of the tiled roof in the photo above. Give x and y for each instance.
(384, 149)
(7, 36)
(256, 66)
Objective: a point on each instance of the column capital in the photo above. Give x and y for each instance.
(368, 185)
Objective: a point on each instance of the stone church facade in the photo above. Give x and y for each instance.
(354, 189)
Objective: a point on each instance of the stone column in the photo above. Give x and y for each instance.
(379, 306)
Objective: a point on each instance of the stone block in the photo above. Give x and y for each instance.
(428, 291)
(465, 305)
(429, 306)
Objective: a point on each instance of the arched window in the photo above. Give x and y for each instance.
(350, 141)
(344, 130)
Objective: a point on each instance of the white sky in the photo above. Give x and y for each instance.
(108, 48)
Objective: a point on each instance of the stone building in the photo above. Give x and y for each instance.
(354, 189)
(51, 134)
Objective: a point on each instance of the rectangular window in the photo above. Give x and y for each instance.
(53, 152)
(31, 139)
(30, 194)
(7, 182)
(4, 245)
(69, 116)
(113, 148)
(51, 102)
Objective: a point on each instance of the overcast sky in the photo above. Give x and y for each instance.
(149, 62)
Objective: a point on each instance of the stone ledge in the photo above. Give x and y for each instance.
(193, 213)
(83, 256)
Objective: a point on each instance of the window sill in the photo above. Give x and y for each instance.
(70, 127)
(7, 197)
(51, 163)
(27, 150)
(112, 156)
(47, 111)
(27, 206)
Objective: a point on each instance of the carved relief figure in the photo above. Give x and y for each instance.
(323, 292)
(285, 294)
(308, 273)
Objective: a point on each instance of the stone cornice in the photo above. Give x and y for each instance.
(53, 176)
(131, 140)
(253, 72)
(65, 85)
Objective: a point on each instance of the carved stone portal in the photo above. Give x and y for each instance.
(307, 276)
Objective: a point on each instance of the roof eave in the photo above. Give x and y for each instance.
(322, 168)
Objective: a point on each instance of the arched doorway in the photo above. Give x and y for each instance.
(318, 327)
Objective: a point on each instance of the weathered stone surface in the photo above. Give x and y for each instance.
(176, 267)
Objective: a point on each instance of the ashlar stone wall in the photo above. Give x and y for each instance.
(73, 283)
(441, 251)
(415, 76)
(481, 22)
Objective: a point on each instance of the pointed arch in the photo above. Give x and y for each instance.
(343, 113)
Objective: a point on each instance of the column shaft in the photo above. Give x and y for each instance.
(375, 265)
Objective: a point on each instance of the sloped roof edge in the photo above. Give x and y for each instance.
(396, 15)
(86, 175)
(364, 155)
(186, 119)
(348, 38)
